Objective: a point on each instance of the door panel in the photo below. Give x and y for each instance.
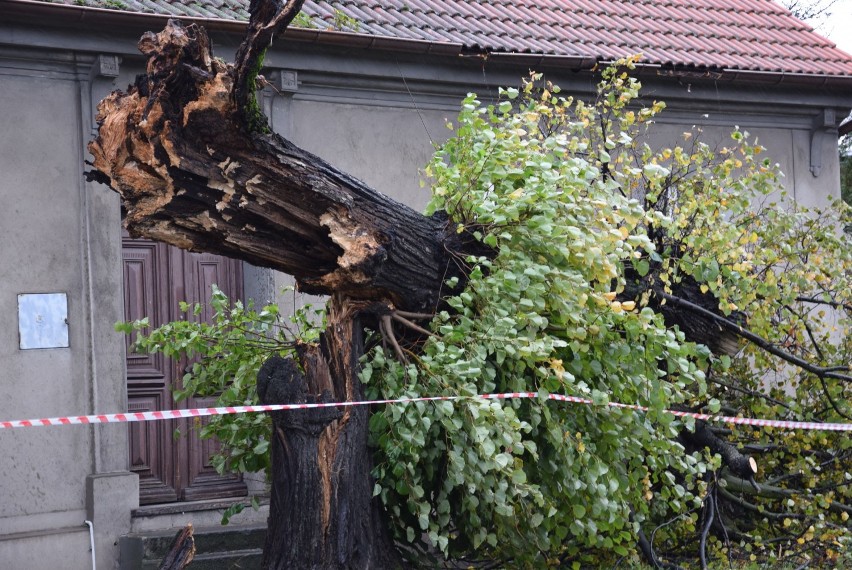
(151, 451)
(172, 466)
(144, 296)
(201, 271)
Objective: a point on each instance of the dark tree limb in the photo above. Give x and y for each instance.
(709, 516)
(267, 19)
(646, 547)
(697, 326)
(736, 484)
(751, 393)
(815, 301)
(739, 330)
(740, 464)
(728, 496)
(413, 326)
(386, 329)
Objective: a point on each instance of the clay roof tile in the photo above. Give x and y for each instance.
(752, 35)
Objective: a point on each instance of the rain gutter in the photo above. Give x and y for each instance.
(539, 61)
(746, 76)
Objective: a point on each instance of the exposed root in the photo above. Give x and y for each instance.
(400, 319)
(387, 317)
(386, 328)
(407, 315)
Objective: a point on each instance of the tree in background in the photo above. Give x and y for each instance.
(560, 256)
(846, 169)
(817, 11)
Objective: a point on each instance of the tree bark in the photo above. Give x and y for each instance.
(181, 552)
(322, 511)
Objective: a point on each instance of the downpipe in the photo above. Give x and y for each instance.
(92, 542)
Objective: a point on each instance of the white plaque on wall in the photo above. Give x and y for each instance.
(43, 320)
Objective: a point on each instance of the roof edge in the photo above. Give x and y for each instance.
(87, 14)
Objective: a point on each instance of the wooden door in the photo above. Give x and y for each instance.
(172, 465)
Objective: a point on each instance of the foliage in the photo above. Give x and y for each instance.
(222, 352)
(570, 199)
(302, 20)
(578, 209)
(340, 21)
(518, 479)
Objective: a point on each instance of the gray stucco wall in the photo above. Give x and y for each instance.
(58, 235)
(372, 114)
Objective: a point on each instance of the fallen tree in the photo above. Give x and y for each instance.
(538, 270)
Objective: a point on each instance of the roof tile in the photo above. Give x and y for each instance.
(752, 35)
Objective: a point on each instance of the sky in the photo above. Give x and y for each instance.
(838, 27)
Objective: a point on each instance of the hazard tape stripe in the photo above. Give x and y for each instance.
(200, 412)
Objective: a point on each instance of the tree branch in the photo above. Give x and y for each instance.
(267, 19)
(823, 372)
(752, 393)
(709, 515)
(735, 483)
(192, 175)
(755, 509)
(834, 304)
(742, 465)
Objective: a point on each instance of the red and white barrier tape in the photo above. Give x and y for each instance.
(199, 412)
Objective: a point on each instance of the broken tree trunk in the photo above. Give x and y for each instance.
(192, 173)
(345, 519)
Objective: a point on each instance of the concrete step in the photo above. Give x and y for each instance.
(232, 547)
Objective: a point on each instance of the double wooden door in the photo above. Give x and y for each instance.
(172, 462)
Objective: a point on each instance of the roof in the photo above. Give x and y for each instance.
(720, 35)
